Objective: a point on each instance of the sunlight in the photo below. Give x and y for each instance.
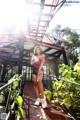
(13, 15)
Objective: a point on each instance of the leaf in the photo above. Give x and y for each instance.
(77, 67)
(19, 100)
(71, 94)
(48, 94)
(15, 84)
(20, 112)
(67, 102)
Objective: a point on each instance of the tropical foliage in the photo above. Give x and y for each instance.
(66, 90)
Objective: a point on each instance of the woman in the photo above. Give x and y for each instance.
(37, 62)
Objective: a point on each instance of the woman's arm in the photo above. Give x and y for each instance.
(32, 60)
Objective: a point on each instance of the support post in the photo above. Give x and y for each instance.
(4, 71)
(20, 62)
(56, 69)
(65, 58)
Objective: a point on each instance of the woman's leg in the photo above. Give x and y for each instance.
(37, 102)
(41, 90)
(40, 85)
(34, 77)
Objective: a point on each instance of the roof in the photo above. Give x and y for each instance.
(10, 52)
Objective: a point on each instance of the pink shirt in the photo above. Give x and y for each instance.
(37, 64)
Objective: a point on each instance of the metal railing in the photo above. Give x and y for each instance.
(75, 83)
(9, 114)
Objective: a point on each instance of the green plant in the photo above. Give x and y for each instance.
(14, 95)
(18, 106)
(67, 90)
(20, 112)
(2, 98)
(48, 95)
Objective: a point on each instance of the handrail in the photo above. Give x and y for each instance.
(12, 106)
(8, 84)
(72, 82)
(8, 115)
(69, 81)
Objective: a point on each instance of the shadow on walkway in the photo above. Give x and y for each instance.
(37, 113)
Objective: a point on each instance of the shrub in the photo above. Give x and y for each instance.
(67, 89)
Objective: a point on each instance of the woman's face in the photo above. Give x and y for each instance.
(37, 51)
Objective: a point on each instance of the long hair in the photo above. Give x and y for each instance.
(35, 50)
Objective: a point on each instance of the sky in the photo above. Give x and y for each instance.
(67, 16)
(13, 17)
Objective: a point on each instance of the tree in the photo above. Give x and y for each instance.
(70, 39)
(66, 31)
(56, 32)
(72, 43)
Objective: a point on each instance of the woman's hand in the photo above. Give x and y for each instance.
(39, 72)
(33, 62)
(40, 75)
(34, 59)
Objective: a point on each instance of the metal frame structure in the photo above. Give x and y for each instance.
(17, 50)
(40, 18)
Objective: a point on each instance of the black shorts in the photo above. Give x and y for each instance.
(36, 71)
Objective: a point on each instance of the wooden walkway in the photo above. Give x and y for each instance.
(37, 113)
